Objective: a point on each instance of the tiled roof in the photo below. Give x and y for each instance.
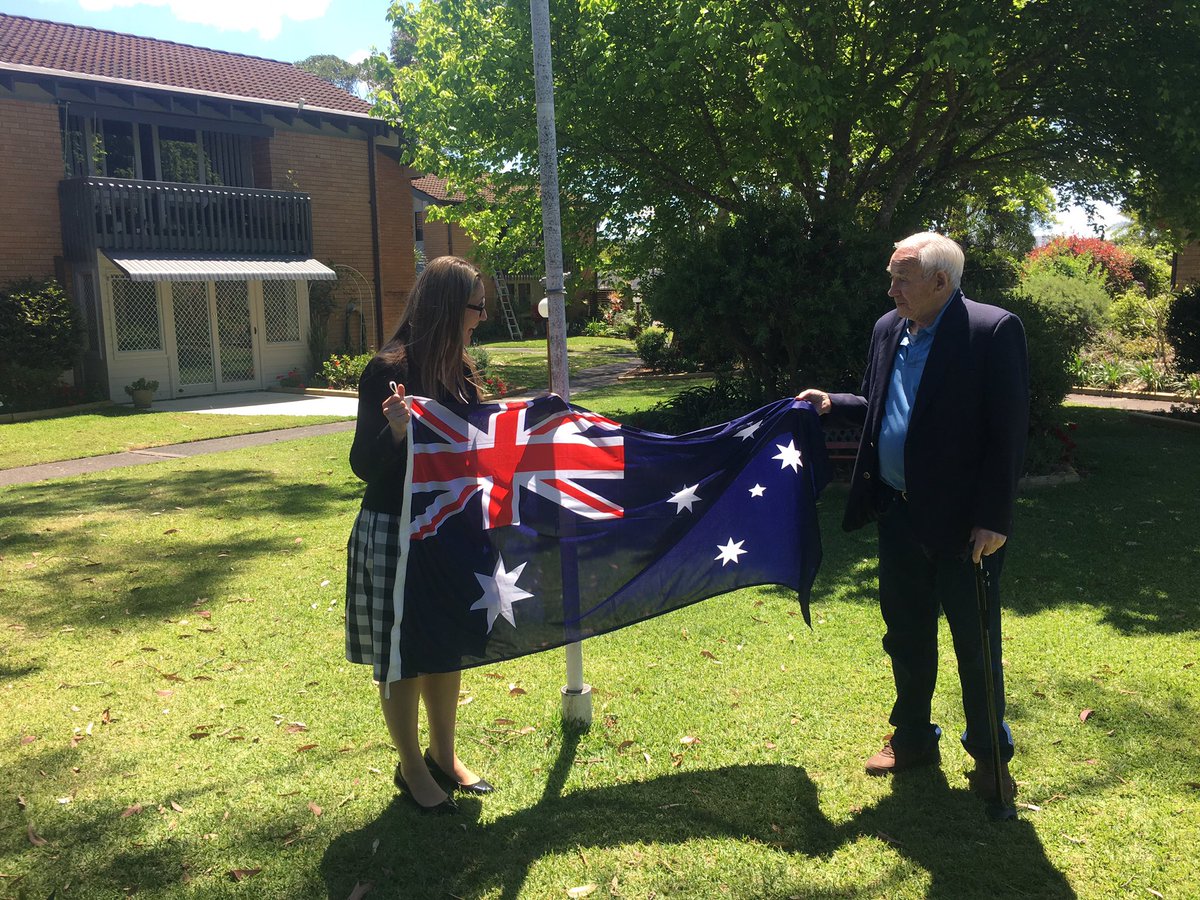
(439, 190)
(93, 53)
(436, 188)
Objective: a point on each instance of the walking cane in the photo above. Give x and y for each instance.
(1001, 808)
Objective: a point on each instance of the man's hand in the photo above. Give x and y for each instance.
(819, 399)
(985, 543)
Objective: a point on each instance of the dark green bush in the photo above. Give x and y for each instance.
(652, 347)
(1183, 328)
(40, 337)
(697, 407)
(788, 302)
(1055, 338)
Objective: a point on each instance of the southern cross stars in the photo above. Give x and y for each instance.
(500, 592)
(747, 432)
(789, 456)
(757, 491)
(730, 552)
(684, 499)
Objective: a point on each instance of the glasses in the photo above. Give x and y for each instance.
(478, 307)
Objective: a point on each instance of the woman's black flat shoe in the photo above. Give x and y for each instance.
(479, 787)
(445, 807)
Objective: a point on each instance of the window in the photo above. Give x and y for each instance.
(281, 312)
(135, 311)
(119, 154)
(179, 154)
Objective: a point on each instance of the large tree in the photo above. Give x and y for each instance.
(675, 115)
(335, 70)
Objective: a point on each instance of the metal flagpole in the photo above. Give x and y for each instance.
(576, 696)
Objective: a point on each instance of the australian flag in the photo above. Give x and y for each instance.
(533, 524)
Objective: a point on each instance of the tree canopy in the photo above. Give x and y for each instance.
(335, 70)
(672, 116)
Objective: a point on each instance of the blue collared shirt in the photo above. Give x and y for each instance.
(907, 369)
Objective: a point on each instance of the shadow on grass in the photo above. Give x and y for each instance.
(100, 567)
(942, 831)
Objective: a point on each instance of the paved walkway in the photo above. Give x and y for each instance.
(259, 403)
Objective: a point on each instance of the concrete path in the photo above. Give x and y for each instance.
(257, 403)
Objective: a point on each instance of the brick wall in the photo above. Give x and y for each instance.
(1187, 265)
(30, 170)
(334, 173)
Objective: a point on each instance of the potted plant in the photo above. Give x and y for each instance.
(142, 392)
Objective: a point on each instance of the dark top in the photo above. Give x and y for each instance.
(375, 456)
(966, 437)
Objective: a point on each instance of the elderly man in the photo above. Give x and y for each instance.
(944, 409)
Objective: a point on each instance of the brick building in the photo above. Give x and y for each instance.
(187, 197)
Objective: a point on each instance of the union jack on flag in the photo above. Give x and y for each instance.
(535, 523)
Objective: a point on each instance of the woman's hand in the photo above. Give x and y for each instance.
(395, 410)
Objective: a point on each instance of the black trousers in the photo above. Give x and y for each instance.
(915, 585)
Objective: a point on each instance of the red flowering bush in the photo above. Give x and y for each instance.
(1068, 255)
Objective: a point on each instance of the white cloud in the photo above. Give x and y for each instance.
(1074, 220)
(264, 16)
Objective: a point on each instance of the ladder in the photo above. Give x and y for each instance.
(504, 298)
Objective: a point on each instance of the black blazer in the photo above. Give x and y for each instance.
(966, 438)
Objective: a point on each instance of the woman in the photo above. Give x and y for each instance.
(425, 357)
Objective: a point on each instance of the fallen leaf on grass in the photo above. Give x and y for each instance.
(28, 739)
(204, 614)
(165, 692)
(305, 747)
(769, 745)
(296, 728)
(623, 746)
(1154, 892)
(131, 810)
(243, 874)
(1075, 840)
(175, 806)
(514, 691)
(676, 760)
(1084, 714)
(584, 890)
(34, 838)
(503, 722)
(687, 740)
(708, 654)
(21, 801)
(171, 531)
(201, 678)
(316, 810)
(197, 735)
(1032, 807)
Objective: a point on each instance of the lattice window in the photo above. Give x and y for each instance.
(135, 310)
(281, 310)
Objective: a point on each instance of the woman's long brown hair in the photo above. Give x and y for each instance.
(430, 335)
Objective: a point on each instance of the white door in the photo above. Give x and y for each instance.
(237, 361)
(213, 338)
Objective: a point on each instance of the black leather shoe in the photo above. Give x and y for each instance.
(479, 787)
(446, 806)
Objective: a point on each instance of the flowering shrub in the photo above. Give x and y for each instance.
(1067, 255)
(494, 385)
(342, 372)
(292, 379)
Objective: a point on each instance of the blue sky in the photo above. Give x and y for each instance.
(288, 30)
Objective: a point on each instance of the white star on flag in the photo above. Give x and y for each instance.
(757, 491)
(730, 552)
(747, 432)
(684, 499)
(500, 592)
(789, 455)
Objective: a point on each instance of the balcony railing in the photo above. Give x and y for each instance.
(119, 214)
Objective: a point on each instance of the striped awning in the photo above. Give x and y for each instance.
(201, 267)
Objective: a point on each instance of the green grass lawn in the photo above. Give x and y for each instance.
(523, 364)
(177, 713)
(118, 428)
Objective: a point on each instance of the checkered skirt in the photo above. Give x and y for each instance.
(371, 561)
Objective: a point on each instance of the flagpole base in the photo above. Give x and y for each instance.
(577, 706)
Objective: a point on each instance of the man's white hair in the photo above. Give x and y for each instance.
(937, 253)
